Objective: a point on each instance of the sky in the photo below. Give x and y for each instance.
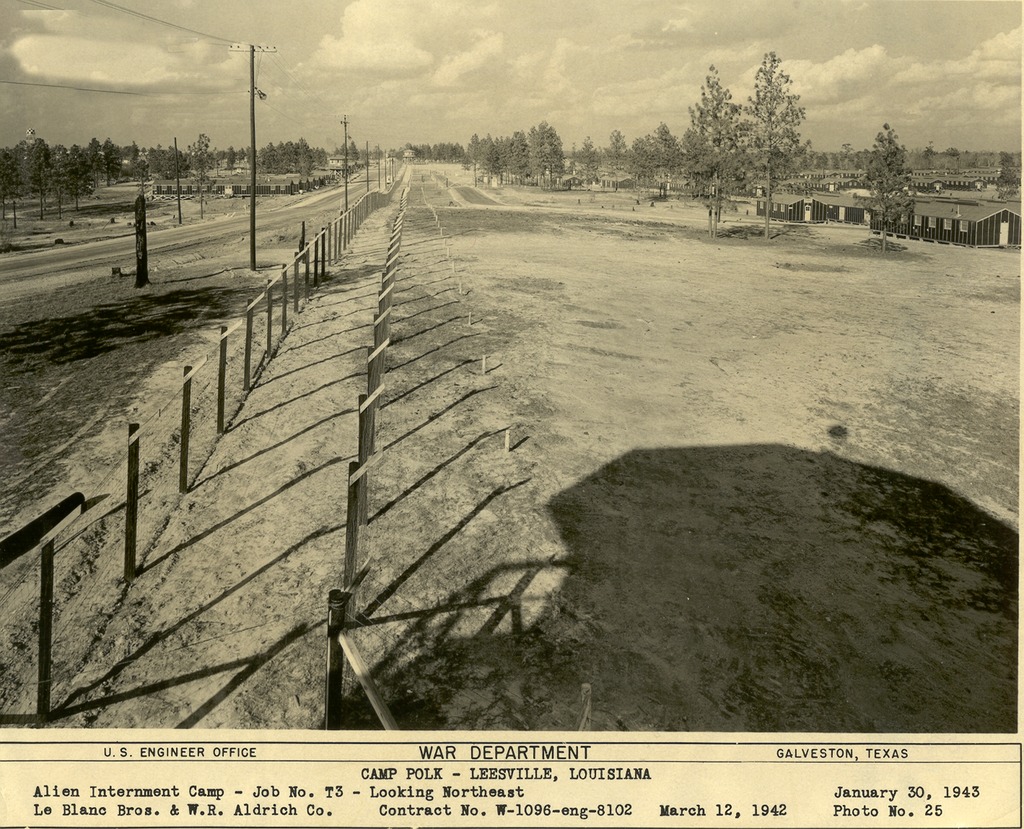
(426, 71)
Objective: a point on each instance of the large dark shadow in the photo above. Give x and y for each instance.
(103, 328)
(765, 587)
(739, 588)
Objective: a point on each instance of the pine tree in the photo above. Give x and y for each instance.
(1008, 183)
(712, 146)
(587, 160)
(888, 179)
(201, 162)
(774, 140)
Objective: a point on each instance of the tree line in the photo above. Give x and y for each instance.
(63, 175)
(729, 148)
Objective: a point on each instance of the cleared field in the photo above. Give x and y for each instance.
(753, 488)
(750, 488)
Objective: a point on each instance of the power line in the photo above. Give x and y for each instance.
(115, 91)
(79, 88)
(38, 5)
(304, 89)
(152, 19)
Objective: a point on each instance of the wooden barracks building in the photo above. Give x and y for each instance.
(973, 223)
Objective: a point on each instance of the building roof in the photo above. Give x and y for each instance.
(837, 199)
(972, 210)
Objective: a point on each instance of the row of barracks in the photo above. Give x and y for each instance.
(241, 188)
(972, 223)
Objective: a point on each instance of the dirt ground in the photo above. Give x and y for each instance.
(749, 488)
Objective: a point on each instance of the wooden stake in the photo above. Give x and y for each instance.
(508, 441)
(222, 378)
(131, 505)
(352, 518)
(284, 300)
(586, 703)
(247, 373)
(337, 600)
(483, 365)
(270, 318)
(186, 428)
(305, 260)
(45, 629)
(323, 253)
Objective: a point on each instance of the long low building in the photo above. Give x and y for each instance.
(242, 187)
(973, 223)
(976, 224)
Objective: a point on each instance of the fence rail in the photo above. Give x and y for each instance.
(63, 524)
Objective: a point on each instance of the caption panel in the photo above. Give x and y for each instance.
(506, 783)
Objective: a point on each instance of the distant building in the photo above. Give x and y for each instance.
(968, 222)
(242, 186)
(616, 181)
(976, 224)
(838, 208)
(786, 207)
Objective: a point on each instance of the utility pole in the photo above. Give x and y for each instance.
(344, 120)
(253, 49)
(177, 177)
(378, 166)
(367, 166)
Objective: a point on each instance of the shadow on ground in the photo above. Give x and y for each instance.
(104, 328)
(742, 588)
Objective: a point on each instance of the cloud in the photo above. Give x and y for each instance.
(483, 53)
(135, 65)
(846, 74)
(396, 38)
(72, 48)
(702, 24)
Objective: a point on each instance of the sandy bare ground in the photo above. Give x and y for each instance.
(747, 489)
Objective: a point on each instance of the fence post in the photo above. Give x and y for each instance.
(247, 375)
(270, 318)
(352, 517)
(316, 261)
(295, 293)
(45, 630)
(324, 235)
(372, 370)
(328, 245)
(131, 511)
(222, 378)
(186, 428)
(336, 602)
(284, 300)
(367, 430)
(305, 261)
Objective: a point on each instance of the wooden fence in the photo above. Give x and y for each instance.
(340, 646)
(291, 286)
